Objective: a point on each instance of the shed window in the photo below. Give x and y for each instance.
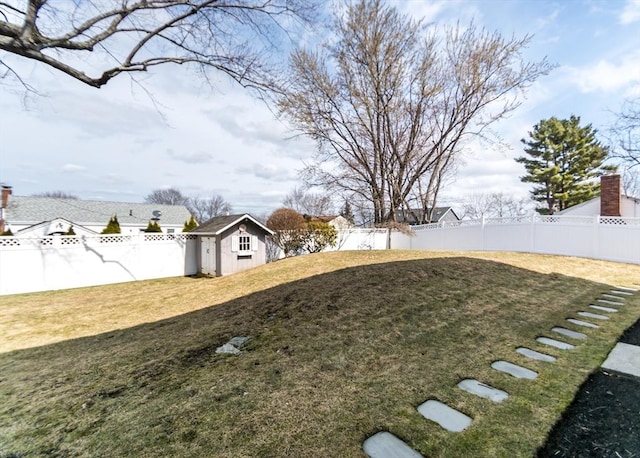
(244, 244)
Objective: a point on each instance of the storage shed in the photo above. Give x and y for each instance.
(229, 244)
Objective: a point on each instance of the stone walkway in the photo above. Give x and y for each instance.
(623, 358)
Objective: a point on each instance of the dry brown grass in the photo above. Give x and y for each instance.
(343, 345)
(43, 318)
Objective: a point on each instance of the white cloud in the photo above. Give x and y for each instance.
(630, 13)
(269, 172)
(73, 168)
(605, 75)
(191, 158)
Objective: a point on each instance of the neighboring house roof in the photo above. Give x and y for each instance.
(407, 216)
(324, 219)
(592, 207)
(57, 225)
(33, 210)
(218, 224)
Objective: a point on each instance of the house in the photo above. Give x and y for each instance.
(338, 222)
(231, 243)
(415, 216)
(610, 202)
(41, 216)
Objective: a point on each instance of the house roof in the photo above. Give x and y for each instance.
(438, 213)
(33, 210)
(54, 222)
(219, 224)
(596, 199)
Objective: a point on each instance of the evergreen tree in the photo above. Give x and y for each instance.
(70, 231)
(563, 160)
(113, 226)
(317, 236)
(190, 225)
(347, 213)
(153, 226)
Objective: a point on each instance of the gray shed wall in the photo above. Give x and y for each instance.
(229, 262)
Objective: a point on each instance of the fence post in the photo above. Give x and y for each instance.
(596, 237)
(532, 233)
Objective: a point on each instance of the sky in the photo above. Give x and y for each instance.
(124, 140)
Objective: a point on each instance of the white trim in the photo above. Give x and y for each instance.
(245, 216)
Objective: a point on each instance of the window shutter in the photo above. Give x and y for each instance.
(235, 243)
(254, 243)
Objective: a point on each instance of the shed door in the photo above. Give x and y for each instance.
(208, 256)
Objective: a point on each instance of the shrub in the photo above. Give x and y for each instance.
(190, 225)
(7, 233)
(113, 226)
(318, 235)
(153, 226)
(288, 227)
(70, 231)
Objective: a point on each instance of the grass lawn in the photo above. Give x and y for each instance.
(342, 345)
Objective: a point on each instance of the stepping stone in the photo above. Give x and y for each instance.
(624, 288)
(450, 419)
(514, 370)
(624, 358)
(621, 293)
(569, 333)
(238, 341)
(482, 390)
(227, 349)
(604, 301)
(582, 323)
(604, 309)
(614, 298)
(386, 445)
(555, 343)
(595, 316)
(536, 355)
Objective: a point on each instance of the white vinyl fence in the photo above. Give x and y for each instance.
(59, 262)
(607, 238)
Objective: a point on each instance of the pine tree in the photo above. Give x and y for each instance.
(153, 226)
(190, 225)
(563, 160)
(113, 226)
(347, 213)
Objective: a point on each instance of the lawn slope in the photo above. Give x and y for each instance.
(343, 345)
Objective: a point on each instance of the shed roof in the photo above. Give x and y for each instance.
(219, 224)
(33, 210)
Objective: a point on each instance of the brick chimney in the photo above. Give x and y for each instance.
(610, 200)
(6, 192)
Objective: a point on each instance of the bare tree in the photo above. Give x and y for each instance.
(170, 196)
(56, 195)
(307, 203)
(205, 208)
(232, 36)
(625, 133)
(390, 102)
(495, 205)
(631, 182)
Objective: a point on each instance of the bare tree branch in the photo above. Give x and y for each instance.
(625, 134)
(232, 36)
